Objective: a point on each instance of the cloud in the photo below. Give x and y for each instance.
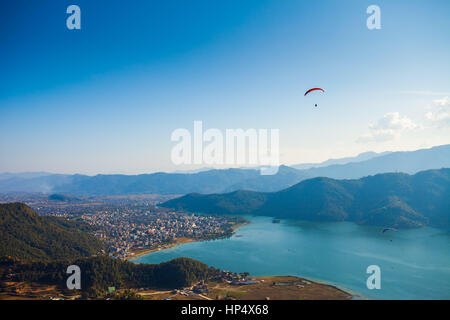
(387, 128)
(440, 115)
(444, 102)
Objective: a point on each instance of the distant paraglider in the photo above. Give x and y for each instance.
(314, 89)
(388, 229)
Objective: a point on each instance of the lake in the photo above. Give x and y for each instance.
(414, 265)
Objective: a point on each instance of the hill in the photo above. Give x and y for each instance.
(391, 199)
(27, 236)
(62, 198)
(102, 272)
(285, 177)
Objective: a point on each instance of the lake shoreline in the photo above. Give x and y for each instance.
(177, 241)
(142, 252)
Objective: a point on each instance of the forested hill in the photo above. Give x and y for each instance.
(27, 236)
(391, 199)
(102, 272)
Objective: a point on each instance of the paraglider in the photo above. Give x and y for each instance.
(314, 89)
(388, 229)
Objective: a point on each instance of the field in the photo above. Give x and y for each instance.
(267, 288)
(273, 288)
(25, 291)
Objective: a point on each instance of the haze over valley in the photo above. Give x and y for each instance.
(227, 180)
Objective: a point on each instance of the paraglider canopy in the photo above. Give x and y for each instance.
(313, 89)
(387, 229)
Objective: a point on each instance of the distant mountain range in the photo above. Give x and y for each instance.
(392, 199)
(23, 175)
(406, 161)
(228, 180)
(360, 157)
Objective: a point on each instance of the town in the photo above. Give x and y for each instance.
(127, 230)
(131, 224)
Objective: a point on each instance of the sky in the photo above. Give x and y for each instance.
(106, 98)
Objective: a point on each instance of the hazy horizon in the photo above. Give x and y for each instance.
(203, 168)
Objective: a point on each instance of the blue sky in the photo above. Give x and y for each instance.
(106, 98)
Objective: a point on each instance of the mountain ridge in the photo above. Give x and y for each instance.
(226, 180)
(390, 199)
(358, 158)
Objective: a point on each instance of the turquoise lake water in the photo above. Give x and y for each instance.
(414, 265)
